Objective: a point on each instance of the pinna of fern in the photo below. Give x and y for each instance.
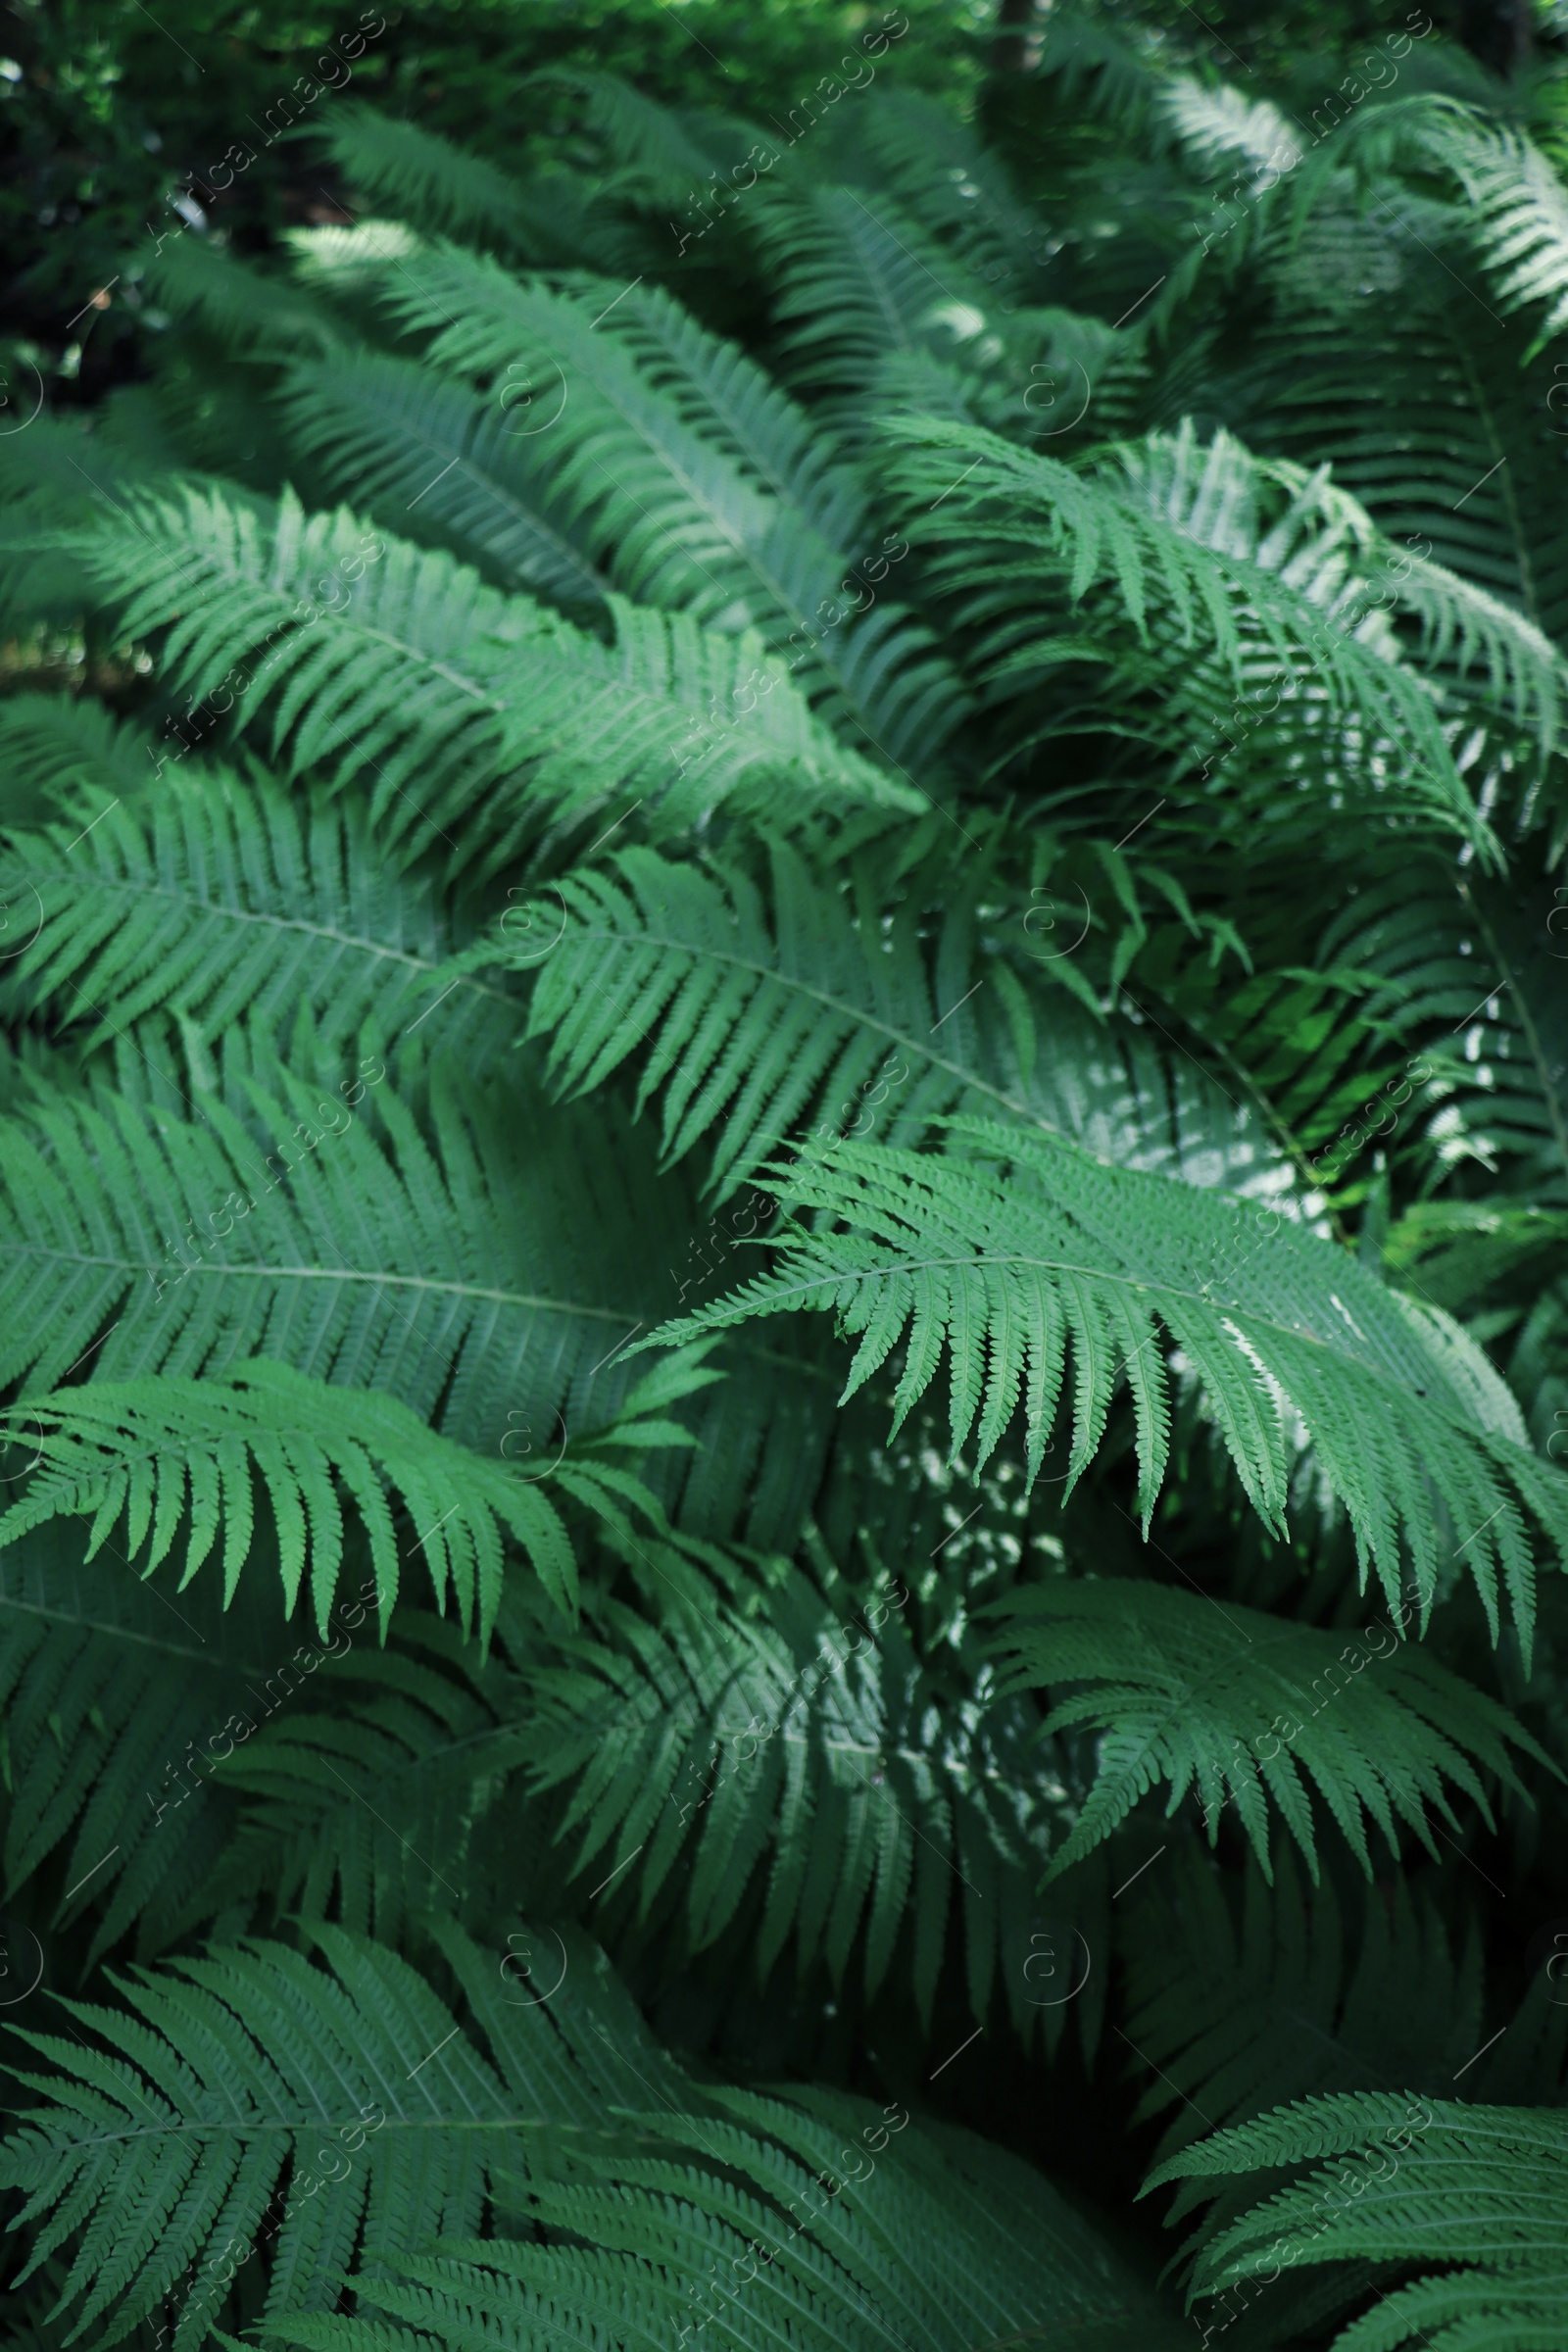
(948, 1255)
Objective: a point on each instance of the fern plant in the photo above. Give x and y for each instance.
(977, 748)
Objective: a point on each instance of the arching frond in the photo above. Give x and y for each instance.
(423, 178)
(922, 2235)
(433, 1268)
(411, 445)
(155, 1451)
(256, 2098)
(372, 654)
(773, 1025)
(669, 507)
(857, 278)
(953, 1257)
(1520, 216)
(819, 1768)
(490, 1287)
(1474, 2188)
(1216, 126)
(1448, 441)
(246, 309)
(1239, 1707)
(222, 894)
(1180, 548)
(820, 1013)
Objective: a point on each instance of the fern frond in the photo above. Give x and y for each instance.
(155, 1451)
(108, 1694)
(1239, 1707)
(414, 670)
(402, 440)
(1519, 220)
(384, 1258)
(926, 2236)
(1443, 438)
(442, 188)
(771, 1024)
(222, 894)
(344, 2101)
(486, 1287)
(246, 309)
(1215, 124)
(874, 664)
(856, 279)
(1177, 546)
(1475, 2188)
(660, 498)
(818, 1010)
(953, 1257)
(1297, 1995)
(819, 1766)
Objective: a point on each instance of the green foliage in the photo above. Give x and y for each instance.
(261, 2073)
(996, 1258)
(151, 1452)
(225, 894)
(858, 1770)
(776, 1027)
(105, 1689)
(1378, 1990)
(1470, 2187)
(629, 2231)
(1178, 1684)
(655, 700)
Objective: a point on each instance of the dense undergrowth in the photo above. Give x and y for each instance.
(783, 1180)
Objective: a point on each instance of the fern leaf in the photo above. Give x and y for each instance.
(1184, 1691)
(109, 1698)
(445, 465)
(818, 1012)
(782, 1742)
(1475, 2188)
(942, 1255)
(443, 188)
(1165, 545)
(224, 893)
(665, 502)
(1217, 2002)
(344, 2099)
(934, 2239)
(404, 665)
(856, 279)
(140, 1450)
(775, 1026)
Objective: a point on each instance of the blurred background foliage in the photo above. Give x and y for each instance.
(112, 115)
